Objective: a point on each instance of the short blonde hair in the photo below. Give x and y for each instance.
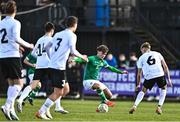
(146, 45)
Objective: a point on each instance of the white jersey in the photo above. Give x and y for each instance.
(150, 62)
(10, 38)
(40, 52)
(64, 42)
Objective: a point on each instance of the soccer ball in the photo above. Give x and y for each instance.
(103, 108)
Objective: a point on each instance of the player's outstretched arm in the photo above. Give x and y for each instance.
(113, 69)
(166, 70)
(16, 36)
(79, 60)
(26, 61)
(139, 76)
(24, 43)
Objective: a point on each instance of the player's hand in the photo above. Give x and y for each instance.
(71, 59)
(31, 46)
(85, 58)
(21, 49)
(125, 72)
(34, 65)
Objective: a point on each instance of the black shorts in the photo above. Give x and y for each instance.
(41, 74)
(10, 68)
(161, 82)
(57, 77)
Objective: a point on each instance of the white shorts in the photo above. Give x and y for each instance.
(89, 83)
(30, 76)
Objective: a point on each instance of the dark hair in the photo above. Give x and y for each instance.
(103, 48)
(49, 26)
(10, 7)
(71, 21)
(146, 45)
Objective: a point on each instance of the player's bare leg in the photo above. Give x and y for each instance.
(102, 94)
(108, 94)
(58, 107)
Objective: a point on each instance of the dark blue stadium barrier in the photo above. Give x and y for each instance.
(124, 85)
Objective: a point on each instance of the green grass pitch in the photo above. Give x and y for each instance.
(84, 110)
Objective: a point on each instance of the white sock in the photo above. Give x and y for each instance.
(13, 92)
(162, 97)
(58, 103)
(8, 101)
(9, 91)
(139, 98)
(12, 106)
(25, 93)
(48, 103)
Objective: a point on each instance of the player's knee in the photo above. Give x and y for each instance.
(34, 84)
(65, 92)
(144, 90)
(109, 96)
(163, 88)
(10, 82)
(108, 93)
(18, 82)
(58, 92)
(66, 89)
(97, 86)
(39, 85)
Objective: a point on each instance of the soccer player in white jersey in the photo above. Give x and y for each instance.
(64, 43)
(10, 63)
(41, 70)
(154, 68)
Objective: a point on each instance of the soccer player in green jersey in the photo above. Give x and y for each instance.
(31, 62)
(92, 69)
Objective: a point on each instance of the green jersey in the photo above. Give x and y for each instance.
(93, 67)
(32, 60)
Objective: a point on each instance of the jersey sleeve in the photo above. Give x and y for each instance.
(72, 40)
(16, 35)
(90, 58)
(72, 44)
(161, 57)
(34, 51)
(105, 64)
(16, 31)
(28, 57)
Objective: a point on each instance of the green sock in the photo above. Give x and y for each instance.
(33, 93)
(102, 95)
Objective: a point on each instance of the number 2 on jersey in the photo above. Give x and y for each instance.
(151, 60)
(4, 33)
(58, 44)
